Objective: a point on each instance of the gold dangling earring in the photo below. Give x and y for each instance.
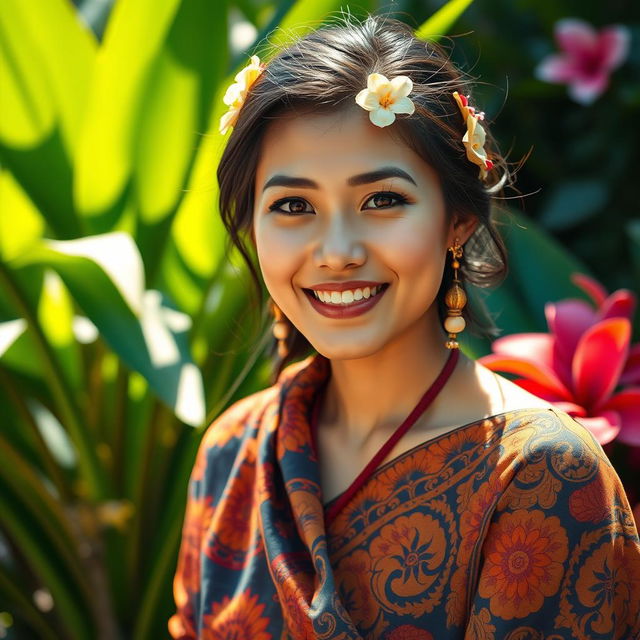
(455, 300)
(280, 330)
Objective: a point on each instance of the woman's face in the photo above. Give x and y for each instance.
(337, 201)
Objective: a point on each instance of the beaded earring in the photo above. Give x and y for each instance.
(455, 300)
(280, 330)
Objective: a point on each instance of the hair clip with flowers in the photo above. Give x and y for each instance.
(236, 94)
(475, 136)
(383, 98)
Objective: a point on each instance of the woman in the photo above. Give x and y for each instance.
(387, 486)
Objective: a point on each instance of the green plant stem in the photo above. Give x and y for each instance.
(117, 437)
(136, 539)
(91, 470)
(75, 528)
(70, 613)
(14, 598)
(168, 538)
(222, 380)
(95, 386)
(45, 510)
(199, 316)
(49, 464)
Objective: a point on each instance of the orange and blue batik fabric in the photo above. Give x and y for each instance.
(512, 527)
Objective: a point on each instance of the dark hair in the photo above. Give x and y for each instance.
(324, 70)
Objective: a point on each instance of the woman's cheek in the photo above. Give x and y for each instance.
(278, 255)
(414, 249)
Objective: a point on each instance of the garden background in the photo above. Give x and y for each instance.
(125, 326)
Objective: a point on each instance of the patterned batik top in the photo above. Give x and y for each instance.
(513, 527)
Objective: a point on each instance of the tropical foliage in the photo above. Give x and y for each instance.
(123, 318)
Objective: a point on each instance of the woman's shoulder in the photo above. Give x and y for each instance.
(506, 395)
(245, 413)
(242, 420)
(232, 434)
(537, 425)
(550, 441)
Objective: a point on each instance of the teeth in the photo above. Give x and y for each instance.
(346, 297)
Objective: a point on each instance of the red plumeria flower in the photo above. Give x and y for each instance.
(588, 57)
(580, 363)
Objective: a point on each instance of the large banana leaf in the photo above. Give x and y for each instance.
(105, 275)
(46, 61)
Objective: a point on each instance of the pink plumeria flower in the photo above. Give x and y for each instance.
(578, 365)
(588, 57)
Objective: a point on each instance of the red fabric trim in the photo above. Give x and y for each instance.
(430, 394)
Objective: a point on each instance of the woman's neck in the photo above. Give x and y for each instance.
(377, 392)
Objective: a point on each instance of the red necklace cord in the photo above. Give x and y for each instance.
(429, 396)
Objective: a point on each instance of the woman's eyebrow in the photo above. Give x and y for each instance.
(383, 173)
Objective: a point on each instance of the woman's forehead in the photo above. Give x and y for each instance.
(336, 144)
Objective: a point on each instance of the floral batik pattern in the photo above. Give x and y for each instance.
(513, 527)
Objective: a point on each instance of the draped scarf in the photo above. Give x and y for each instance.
(516, 523)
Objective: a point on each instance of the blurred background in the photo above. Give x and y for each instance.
(126, 325)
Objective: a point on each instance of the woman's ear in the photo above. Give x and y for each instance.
(462, 227)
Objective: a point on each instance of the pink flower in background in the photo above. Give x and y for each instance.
(579, 364)
(588, 57)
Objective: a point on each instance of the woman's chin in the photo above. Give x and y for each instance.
(349, 350)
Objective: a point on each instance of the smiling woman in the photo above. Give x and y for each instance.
(387, 486)
(319, 77)
(386, 225)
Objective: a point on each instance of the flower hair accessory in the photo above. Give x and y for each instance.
(383, 98)
(474, 138)
(237, 92)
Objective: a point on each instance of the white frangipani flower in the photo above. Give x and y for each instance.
(237, 92)
(384, 98)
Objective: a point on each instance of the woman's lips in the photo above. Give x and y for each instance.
(345, 310)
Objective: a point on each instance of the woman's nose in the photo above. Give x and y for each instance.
(339, 245)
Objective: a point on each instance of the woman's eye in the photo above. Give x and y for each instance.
(385, 200)
(296, 206)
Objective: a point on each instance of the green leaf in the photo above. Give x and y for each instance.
(28, 115)
(539, 272)
(302, 18)
(53, 435)
(60, 52)
(197, 230)
(177, 104)
(23, 288)
(21, 224)
(572, 203)
(442, 20)
(46, 58)
(135, 34)
(106, 278)
(22, 525)
(14, 598)
(17, 351)
(55, 315)
(9, 332)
